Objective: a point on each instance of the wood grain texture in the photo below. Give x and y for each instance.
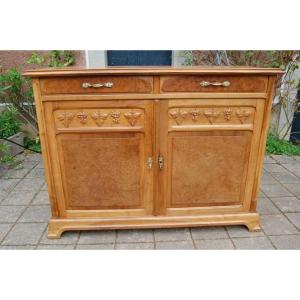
(238, 83)
(101, 149)
(121, 84)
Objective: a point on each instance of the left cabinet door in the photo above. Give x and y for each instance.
(101, 154)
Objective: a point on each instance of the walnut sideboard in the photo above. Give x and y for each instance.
(153, 147)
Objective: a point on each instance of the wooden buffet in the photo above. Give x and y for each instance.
(153, 147)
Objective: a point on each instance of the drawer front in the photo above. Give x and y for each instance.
(97, 85)
(216, 84)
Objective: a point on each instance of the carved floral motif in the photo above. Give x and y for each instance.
(132, 117)
(178, 116)
(82, 116)
(65, 118)
(243, 114)
(211, 115)
(115, 115)
(99, 118)
(227, 114)
(195, 113)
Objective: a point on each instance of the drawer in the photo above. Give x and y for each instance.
(215, 84)
(97, 85)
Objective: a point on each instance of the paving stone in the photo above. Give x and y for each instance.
(4, 229)
(293, 188)
(29, 164)
(67, 238)
(266, 207)
(283, 158)
(10, 214)
(287, 204)
(269, 160)
(275, 190)
(97, 237)
(172, 234)
(286, 177)
(293, 167)
(36, 214)
(55, 247)
(19, 173)
(224, 244)
(286, 242)
(242, 232)
(41, 198)
(25, 234)
(277, 225)
(255, 243)
(18, 198)
(267, 178)
(274, 168)
(209, 233)
(40, 165)
(135, 246)
(175, 245)
(36, 173)
(29, 184)
(33, 157)
(294, 218)
(6, 185)
(17, 247)
(96, 247)
(135, 236)
(44, 187)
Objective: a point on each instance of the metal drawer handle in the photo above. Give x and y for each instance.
(207, 83)
(86, 85)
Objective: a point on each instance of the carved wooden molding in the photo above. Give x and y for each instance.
(99, 118)
(195, 113)
(82, 116)
(227, 114)
(178, 116)
(132, 117)
(243, 114)
(115, 115)
(211, 115)
(66, 118)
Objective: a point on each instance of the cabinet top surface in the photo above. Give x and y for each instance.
(75, 71)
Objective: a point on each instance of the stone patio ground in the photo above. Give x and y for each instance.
(24, 212)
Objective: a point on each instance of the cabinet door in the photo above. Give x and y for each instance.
(101, 151)
(208, 149)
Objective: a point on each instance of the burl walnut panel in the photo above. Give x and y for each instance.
(102, 171)
(239, 83)
(208, 169)
(120, 84)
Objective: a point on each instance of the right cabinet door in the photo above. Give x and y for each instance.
(209, 150)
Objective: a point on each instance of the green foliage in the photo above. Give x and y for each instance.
(14, 87)
(33, 144)
(9, 122)
(278, 146)
(56, 58)
(6, 158)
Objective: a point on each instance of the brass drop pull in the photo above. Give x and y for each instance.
(86, 85)
(160, 161)
(207, 83)
(150, 162)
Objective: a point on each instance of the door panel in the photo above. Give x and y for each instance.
(101, 152)
(209, 149)
(207, 168)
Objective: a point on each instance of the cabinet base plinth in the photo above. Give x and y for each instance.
(58, 226)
